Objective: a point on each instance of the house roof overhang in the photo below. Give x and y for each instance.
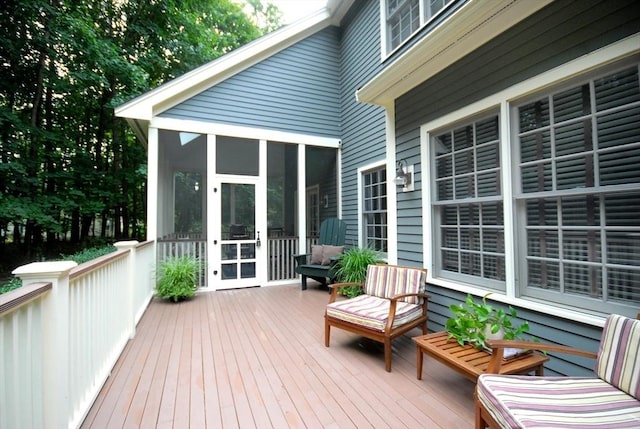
(141, 110)
(470, 27)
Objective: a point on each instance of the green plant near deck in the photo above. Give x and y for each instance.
(352, 268)
(473, 322)
(177, 278)
(79, 257)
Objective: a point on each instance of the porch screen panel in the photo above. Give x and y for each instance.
(237, 156)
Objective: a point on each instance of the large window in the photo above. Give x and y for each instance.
(374, 208)
(468, 207)
(405, 17)
(579, 191)
(549, 212)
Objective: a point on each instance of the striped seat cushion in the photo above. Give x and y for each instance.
(556, 402)
(618, 359)
(372, 312)
(386, 281)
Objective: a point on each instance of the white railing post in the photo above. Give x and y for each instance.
(131, 286)
(55, 338)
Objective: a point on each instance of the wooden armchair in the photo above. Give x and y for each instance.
(609, 400)
(319, 264)
(393, 303)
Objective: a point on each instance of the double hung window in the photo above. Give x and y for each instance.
(579, 200)
(374, 208)
(573, 195)
(468, 206)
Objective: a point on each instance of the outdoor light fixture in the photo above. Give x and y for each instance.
(403, 174)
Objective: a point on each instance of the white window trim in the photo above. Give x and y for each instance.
(502, 100)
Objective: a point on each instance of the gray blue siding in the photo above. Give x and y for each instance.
(363, 125)
(563, 31)
(296, 90)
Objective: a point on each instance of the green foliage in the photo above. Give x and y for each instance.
(66, 159)
(12, 284)
(80, 257)
(177, 278)
(473, 321)
(352, 268)
(89, 254)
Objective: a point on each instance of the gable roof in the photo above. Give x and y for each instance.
(140, 110)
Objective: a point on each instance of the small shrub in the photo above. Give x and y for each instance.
(177, 278)
(14, 283)
(352, 268)
(89, 254)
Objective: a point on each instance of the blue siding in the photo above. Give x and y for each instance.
(296, 90)
(571, 29)
(363, 125)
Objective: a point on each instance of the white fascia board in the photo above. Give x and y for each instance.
(146, 106)
(470, 27)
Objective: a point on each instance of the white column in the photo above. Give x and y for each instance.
(131, 286)
(152, 184)
(55, 338)
(302, 199)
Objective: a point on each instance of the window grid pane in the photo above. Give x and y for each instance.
(375, 209)
(471, 231)
(580, 182)
(404, 18)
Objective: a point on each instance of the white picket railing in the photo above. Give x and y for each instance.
(62, 332)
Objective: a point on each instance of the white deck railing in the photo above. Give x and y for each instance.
(62, 332)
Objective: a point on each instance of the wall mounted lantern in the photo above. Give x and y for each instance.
(404, 176)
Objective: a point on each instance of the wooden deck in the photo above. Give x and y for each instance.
(255, 358)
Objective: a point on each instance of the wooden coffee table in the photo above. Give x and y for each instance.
(469, 361)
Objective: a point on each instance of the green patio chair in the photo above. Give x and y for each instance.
(319, 264)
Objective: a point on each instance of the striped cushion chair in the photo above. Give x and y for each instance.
(393, 303)
(610, 400)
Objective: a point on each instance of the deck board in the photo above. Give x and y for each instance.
(256, 358)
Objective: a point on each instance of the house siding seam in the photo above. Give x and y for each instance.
(295, 90)
(571, 30)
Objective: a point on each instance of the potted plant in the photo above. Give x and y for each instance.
(177, 278)
(475, 322)
(352, 268)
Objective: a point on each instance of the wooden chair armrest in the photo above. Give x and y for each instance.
(498, 346)
(406, 295)
(301, 258)
(335, 287)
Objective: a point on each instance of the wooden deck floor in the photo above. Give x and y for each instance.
(256, 358)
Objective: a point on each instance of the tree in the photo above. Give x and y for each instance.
(67, 164)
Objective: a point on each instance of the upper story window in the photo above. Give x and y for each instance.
(405, 17)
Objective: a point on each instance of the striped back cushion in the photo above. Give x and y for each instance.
(385, 281)
(618, 361)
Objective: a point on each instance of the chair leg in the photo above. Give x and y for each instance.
(387, 354)
(303, 282)
(327, 333)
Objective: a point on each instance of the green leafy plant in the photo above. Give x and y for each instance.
(177, 278)
(89, 254)
(474, 322)
(352, 268)
(12, 284)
